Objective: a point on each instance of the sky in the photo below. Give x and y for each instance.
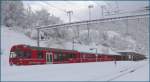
(80, 8)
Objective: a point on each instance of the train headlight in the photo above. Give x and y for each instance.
(12, 54)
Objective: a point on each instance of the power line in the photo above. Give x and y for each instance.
(125, 12)
(55, 7)
(87, 21)
(60, 9)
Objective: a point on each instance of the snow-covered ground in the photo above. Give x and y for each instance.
(95, 71)
(101, 71)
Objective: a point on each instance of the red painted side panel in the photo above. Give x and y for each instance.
(79, 57)
(34, 54)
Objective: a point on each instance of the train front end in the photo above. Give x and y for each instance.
(18, 53)
(24, 55)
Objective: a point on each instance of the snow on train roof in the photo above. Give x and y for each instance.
(46, 48)
(126, 51)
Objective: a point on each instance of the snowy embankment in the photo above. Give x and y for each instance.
(98, 71)
(10, 38)
(101, 71)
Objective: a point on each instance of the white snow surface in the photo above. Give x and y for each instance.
(93, 71)
(10, 38)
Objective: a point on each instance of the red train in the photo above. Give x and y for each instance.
(30, 55)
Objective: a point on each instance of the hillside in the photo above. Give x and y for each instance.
(98, 71)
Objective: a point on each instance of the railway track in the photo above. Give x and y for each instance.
(117, 74)
(127, 71)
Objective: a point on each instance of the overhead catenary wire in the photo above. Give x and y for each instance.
(65, 12)
(106, 8)
(85, 22)
(55, 7)
(81, 22)
(69, 13)
(60, 9)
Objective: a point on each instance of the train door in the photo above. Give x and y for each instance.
(49, 57)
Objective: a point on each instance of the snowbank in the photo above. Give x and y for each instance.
(10, 38)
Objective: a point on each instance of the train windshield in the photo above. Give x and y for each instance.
(18, 53)
(23, 54)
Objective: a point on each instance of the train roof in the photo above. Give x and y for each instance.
(99, 53)
(53, 49)
(65, 50)
(130, 53)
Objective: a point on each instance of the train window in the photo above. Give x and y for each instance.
(65, 56)
(27, 54)
(20, 53)
(71, 55)
(55, 57)
(129, 56)
(60, 57)
(40, 55)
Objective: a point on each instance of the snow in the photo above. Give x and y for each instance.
(85, 48)
(92, 71)
(79, 44)
(10, 38)
(111, 34)
(126, 41)
(137, 75)
(102, 71)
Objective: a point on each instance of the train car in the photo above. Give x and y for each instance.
(132, 56)
(87, 57)
(106, 57)
(31, 55)
(23, 55)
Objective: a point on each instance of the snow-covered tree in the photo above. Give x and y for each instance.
(44, 18)
(12, 13)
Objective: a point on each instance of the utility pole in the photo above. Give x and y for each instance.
(38, 37)
(89, 7)
(102, 10)
(73, 43)
(96, 52)
(127, 25)
(117, 7)
(78, 33)
(69, 15)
